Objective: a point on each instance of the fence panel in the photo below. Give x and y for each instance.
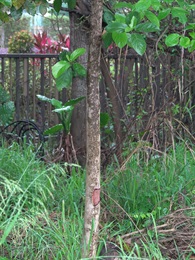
(25, 76)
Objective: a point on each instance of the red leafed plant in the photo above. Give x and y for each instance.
(44, 44)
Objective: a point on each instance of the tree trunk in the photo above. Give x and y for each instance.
(92, 201)
(79, 39)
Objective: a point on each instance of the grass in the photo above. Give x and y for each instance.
(41, 207)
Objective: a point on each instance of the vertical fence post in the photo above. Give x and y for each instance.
(17, 60)
(42, 93)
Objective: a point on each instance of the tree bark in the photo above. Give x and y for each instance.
(79, 38)
(92, 201)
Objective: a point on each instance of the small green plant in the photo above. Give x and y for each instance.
(67, 68)
(6, 108)
(63, 72)
(21, 42)
(64, 112)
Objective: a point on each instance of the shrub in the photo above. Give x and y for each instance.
(6, 108)
(21, 42)
(44, 44)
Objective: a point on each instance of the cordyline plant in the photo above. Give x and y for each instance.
(64, 71)
(44, 44)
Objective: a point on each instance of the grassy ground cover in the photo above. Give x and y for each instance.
(148, 209)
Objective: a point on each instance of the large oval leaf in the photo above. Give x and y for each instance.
(57, 5)
(116, 27)
(185, 42)
(137, 42)
(152, 18)
(79, 70)
(108, 16)
(60, 67)
(56, 103)
(164, 13)
(44, 98)
(73, 102)
(146, 27)
(64, 108)
(192, 46)
(77, 53)
(142, 5)
(120, 39)
(180, 13)
(172, 39)
(53, 130)
(64, 80)
(107, 39)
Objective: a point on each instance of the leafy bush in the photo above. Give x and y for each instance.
(6, 108)
(21, 42)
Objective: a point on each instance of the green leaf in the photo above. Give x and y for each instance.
(107, 39)
(16, 13)
(122, 5)
(133, 18)
(7, 3)
(192, 46)
(57, 4)
(63, 55)
(152, 18)
(192, 34)
(108, 16)
(79, 70)
(120, 39)
(172, 39)
(53, 130)
(44, 98)
(121, 18)
(56, 103)
(179, 13)
(71, 4)
(146, 27)
(116, 27)
(59, 68)
(185, 42)
(133, 23)
(168, 1)
(77, 53)
(73, 102)
(64, 80)
(190, 26)
(164, 13)
(155, 4)
(63, 109)
(137, 42)
(142, 5)
(43, 9)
